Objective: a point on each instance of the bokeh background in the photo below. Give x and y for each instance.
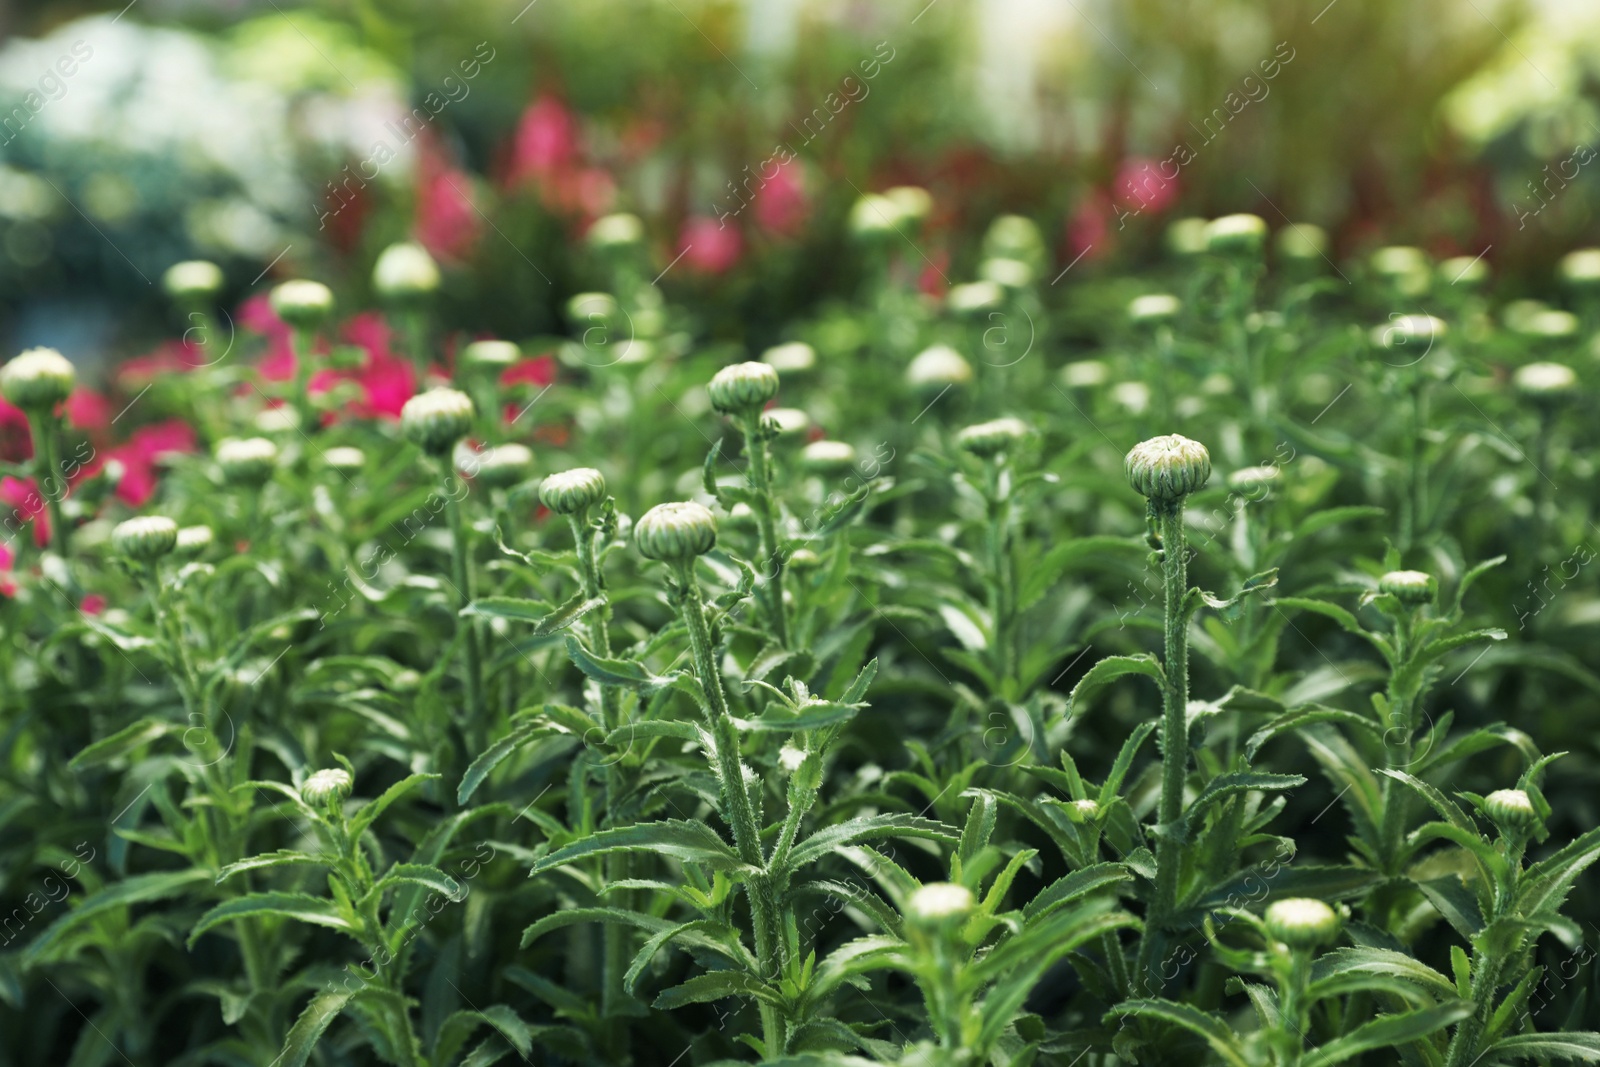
(284, 140)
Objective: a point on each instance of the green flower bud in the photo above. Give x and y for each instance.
(504, 465)
(912, 203)
(1153, 308)
(873, 217)
(1549, 324)
(1545, 381)
(675, 533)
(588, 309)
(1512, 811)
(1301, 922)
(326, 788)
(1301, 241)
(1085, 374)
(1253, 482)
(1398, 262)
(193, 541)
(1010, 273)
(1580, 269)
(193, 281)
(1187, 237)
(434, 421)
(974, 298)
(1407, 330)
(344, 458)
(405, 272)
(989, 439)
(617, 231)
(1411, 588)
(281, 419)
(1236, 235)
(828, 457)
(1082, 811)
(573, 492)
(1167, 469)
(796, 357)
(939, 906)
(937, 368)
(37, 380)
(305, 305)
(743, 388)
(1014, 237)
(789, 423)
(490, 357)
(249, 462)
(803, 560)
(1466, 272)
(146, 538)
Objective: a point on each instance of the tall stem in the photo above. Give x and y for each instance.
(47, 473)
(1396, 798)
(771, 558)
(1175, 704)
(746, 832)
(461, 574)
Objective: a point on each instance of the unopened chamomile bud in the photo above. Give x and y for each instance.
(1014, 237)
(743, 388)
(37, 380)
(1545, 381)
(1511, 810)
(405, 272)
(1082, 811)
(573, 492)
(344, 458)
(1301, 241)
(1007, 272)
(1410, 330)
(193, 541)
(873, 217)
(490, 356)
(1236, 235)
(913, 203)
(1187, 237)
(1154, 308)
(975, 298)
(1301, 922)
(804, 560)
(193, 281)
(939, 906)
(616, 231)
(936, 368)
(303, 304)
(1411, 588)
(795, 357)
(146, 538)
(327, 787)
(1464, 272)
(1166, 469)
(1398, 262)
(787, 423)
(434, 421)
(1580, 269)
(502, 466)
(675, 533)
(248, 461)
(828, 457)
(1253, 482)
(989, 439)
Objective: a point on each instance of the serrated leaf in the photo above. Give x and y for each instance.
(1387, 1031)
(1112, 668)
(125, 741)
(136, 889)
(707, 988)
(478, 770)
(300, 907)
(626, 673)
(679, 839)
(865, 828)
(309, 1028)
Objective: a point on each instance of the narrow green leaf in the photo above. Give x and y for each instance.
(1112, 668)
(1387, 1031)
(865, 828)
(628, 674)
(300, 907)
(129, 739)
(679, 839)
(309, 1028)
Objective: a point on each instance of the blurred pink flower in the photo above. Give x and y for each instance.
(88, 410)
(21, 504)
(139, 457)
(93, 604)
(8, 584)
(447, 224)
(781, 204)
(546, 140)
(1141, 187)
(1088, 232)
(707, 246)
(16, 440)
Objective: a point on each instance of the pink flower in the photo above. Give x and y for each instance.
(781, 204)
(546, 140)
(140, 455)
(8, 585)
(1141, 187)
(21, 503)
(16, 440)
(1088, 232)
(88, 410)
(93, 604)
(134, 374)
(539, 371)
(447, 224)
(933, 281)
(708, 246)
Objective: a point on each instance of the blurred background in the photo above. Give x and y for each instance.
(283, 140)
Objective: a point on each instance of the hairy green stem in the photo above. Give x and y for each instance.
(1175, 706)
(772, 561)
(1000, 586)
(461, 575)
(741, 813)
(1402, 718)
(47, 473)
